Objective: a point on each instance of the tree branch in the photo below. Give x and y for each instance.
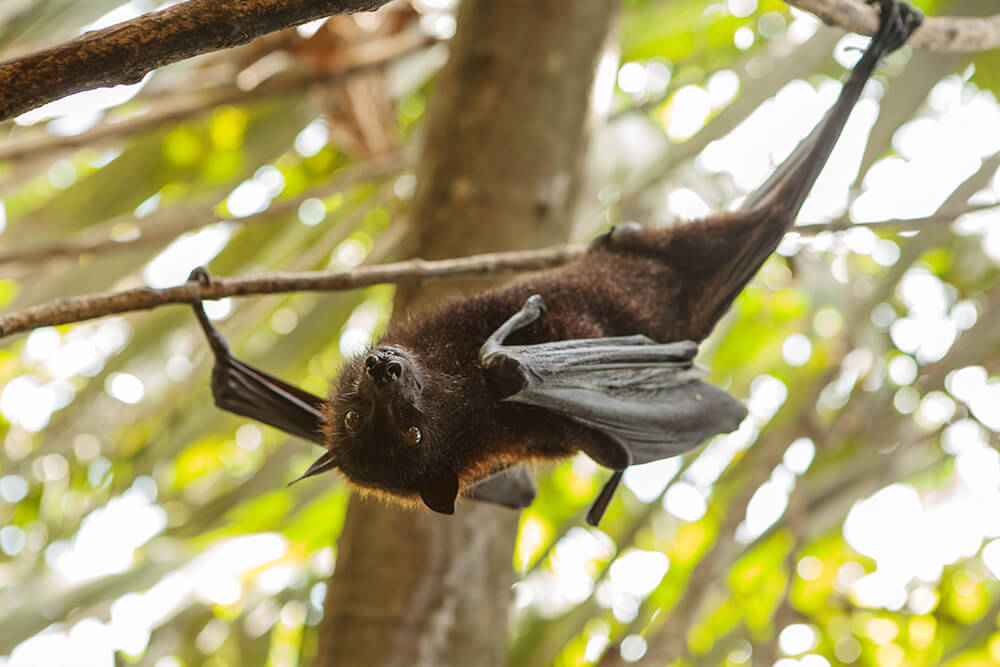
(77, 309)
(416, 271)
(902, 224)
(126, 52)
(943, 33)
(201, 101)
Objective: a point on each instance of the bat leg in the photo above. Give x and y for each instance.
(786, 189)
(220, 348)
(249, 392)
(511, 486)
(604, 499)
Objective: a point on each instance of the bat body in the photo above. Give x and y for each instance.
(596, 356)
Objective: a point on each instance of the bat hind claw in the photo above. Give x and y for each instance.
(897, 21)
(199, 274)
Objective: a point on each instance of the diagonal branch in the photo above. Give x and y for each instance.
(126, 52)
(202, 101)
(944, 33)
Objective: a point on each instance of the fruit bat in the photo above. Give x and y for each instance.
(596, 356)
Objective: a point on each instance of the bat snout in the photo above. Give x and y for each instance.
(383, 369)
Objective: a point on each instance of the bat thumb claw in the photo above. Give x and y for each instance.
(536, 304)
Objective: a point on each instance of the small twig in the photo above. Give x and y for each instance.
(943, 33)
(126, 52)
(910, 224)
(77, 309)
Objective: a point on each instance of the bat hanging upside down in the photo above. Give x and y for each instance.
(596, 356)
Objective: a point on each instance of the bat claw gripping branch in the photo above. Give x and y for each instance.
(897, 21)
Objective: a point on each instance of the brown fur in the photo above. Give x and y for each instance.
(669, 284)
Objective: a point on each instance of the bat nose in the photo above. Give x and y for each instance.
(382, 369)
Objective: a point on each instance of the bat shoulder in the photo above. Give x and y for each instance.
(681, 241)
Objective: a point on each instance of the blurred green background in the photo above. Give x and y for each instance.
(853, 519)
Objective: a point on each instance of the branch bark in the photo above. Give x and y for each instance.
(171, 110)
(414, 272)
(942, 33)
(126, 52)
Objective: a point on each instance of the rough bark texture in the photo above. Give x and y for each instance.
(126, 52)
(501, 169)
(937, 33)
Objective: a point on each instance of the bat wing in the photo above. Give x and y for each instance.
(716, 257)
(510, 486)
(646, 398)
(247, 391)
(250, 392)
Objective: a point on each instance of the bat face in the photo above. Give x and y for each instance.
(376, 429)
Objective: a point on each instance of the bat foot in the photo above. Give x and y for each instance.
(200, 275)
(897, 21)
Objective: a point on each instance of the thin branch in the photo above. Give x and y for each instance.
(943, 33)
(903, 224)
(169, 224)
(126, 52)
(202, 101)
(77, 309)
(80, 308)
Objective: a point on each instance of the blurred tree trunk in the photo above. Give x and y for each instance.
(501, 170)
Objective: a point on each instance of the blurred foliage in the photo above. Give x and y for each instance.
(135, 516)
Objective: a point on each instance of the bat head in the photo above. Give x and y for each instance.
(380, 433)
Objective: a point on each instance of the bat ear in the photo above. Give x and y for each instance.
(440, 491)
(322, 464)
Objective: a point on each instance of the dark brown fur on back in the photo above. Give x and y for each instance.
(668, 284)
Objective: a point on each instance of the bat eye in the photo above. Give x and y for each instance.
(352, 420)
(413, 436)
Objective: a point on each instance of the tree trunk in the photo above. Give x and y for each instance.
(501, 170)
